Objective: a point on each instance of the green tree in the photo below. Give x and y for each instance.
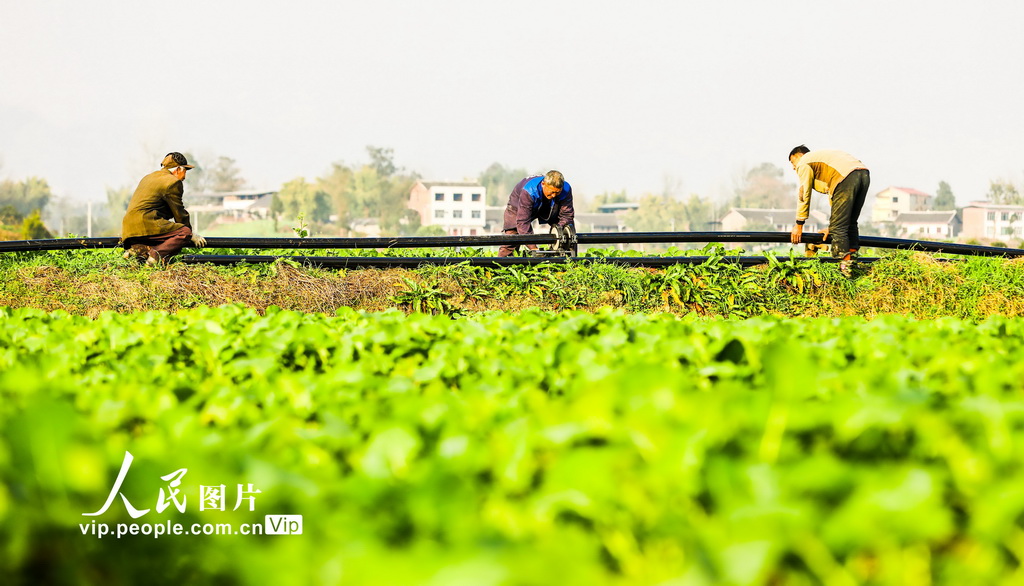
(337, 184)
(276, 209)
(10, 215)
(382, 160)
(764, 187)
(25, 196)
(1004, 193)
(499, 181)
(367, 190)
(382, 197)
(944, 198)
(378, 189)
(299, 196)
(33, 227)
(224, 175)
(220, 176)
(659, 213)
(395, 203)
(696, 213)
(296, 197)
(321, 207)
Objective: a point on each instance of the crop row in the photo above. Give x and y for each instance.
(523, 449)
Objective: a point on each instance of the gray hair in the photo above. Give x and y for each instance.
(554, 179)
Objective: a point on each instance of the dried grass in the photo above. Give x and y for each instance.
(918, 285)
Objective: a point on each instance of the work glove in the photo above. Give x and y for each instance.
(198, 240)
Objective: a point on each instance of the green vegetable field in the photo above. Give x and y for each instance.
(498, 448)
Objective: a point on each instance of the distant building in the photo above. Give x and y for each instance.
(778, 220)
(366, 227)
(238, 205)
(984, 220)
(458, 207)
(584, 222)
(494, 219)
(601, 222)
(892, 201)
(944, 225)
(618, 208)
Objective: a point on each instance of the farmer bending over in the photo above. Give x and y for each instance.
(546, 198)
(845, 180)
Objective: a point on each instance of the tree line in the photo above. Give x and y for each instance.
(378, 189)
(21, 205)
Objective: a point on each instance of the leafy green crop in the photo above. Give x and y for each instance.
(535, 448)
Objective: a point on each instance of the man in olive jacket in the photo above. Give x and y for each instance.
(156, 225)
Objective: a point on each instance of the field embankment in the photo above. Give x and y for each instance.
(88, 283)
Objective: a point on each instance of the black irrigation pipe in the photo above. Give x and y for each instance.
(296, 243)
(783, 237)
(944, 247)
(384, 262)
(500, 239)
(56, 244)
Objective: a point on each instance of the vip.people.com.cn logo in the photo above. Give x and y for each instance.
(211, 497)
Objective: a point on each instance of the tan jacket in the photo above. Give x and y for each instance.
(822, 171)
(156, 207)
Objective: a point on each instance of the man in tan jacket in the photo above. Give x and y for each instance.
(156, 225)
(845, 180)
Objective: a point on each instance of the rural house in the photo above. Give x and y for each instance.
(938, 225)
(770, 220)
(892, 201)
(458, 207)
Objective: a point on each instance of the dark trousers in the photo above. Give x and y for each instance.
(509, 227)
(166, 245)
(847, 200)
(508, 249)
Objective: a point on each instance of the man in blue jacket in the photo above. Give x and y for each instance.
(546, 198)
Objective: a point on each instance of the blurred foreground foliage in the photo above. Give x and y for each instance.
(532, 448)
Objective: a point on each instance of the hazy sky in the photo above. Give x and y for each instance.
(617, 95)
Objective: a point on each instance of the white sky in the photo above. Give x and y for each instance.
(617, 95)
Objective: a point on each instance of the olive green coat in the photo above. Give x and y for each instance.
(156, 207)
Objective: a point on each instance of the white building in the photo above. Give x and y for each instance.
(944, 225)
(601, 222)
(892, 201)
(779, 220)
(984, 220)
(236, 204)
(458, 207)
(616, 208)
(366, 227)
(583, 222)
